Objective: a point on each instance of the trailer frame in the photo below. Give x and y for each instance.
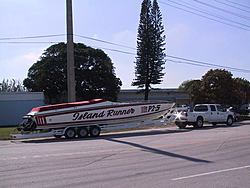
(91, 129)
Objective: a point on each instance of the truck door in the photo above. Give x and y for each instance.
(213, 114)
(222, 115)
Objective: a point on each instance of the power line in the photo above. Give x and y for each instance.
(231, 6)
(33, 37)
(224, 10)
(204, 16)
(195, 64)
(209, 13)
(114, 50)
(209, 64)
(187, 61)
(103, 41)
(191, 62)
(28, 42)
(238, 4)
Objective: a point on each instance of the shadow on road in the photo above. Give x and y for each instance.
(158, 151)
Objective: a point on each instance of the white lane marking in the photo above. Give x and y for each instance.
(214, 172)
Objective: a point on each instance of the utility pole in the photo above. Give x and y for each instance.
(70, 54)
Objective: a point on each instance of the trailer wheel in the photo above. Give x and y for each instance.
(58, 136)
(181, 125)
(199, 122)
(70, 133)
(82, 132)
(95, 131)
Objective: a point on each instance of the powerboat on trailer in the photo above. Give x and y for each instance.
(94, 112)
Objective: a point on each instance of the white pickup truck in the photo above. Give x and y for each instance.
(212, 113)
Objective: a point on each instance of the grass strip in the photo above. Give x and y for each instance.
(6, 131)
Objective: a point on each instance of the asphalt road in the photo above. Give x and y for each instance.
(209, 157)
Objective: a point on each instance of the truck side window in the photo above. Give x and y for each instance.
(212, 108)
(219, 108)
(201, 108)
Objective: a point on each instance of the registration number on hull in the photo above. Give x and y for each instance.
(151, 108)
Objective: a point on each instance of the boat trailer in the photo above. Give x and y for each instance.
(85, 130)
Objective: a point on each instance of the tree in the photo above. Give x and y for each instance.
(218, 86)
(193, 88)
(242, 91)
(12, 85)
(94, 73)
(186, 85)
(194, 92)
(150, 48)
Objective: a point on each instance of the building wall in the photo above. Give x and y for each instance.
(14, 105)
(179, 97)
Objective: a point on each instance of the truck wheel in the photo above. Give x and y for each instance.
(95, 131)
(199, 122)
(229, 120)
(70, 133)
(82, 132)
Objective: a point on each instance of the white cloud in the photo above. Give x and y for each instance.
(127, 38)
(32, 56)
(18, 66)
(95, 36)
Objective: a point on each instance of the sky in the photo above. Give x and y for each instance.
(192, 34)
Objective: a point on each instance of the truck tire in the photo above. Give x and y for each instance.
(82, 132)
(70, 133)
(199, 123)
(95, 131)
(230, 120)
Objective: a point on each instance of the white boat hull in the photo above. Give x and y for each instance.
(105, 113)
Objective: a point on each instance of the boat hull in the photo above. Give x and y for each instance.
(106, 114)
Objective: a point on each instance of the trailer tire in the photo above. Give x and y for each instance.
(70, 133)
(82, 132)
(199, 123)
(181, 125)
(58, 136)
(95, 131)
